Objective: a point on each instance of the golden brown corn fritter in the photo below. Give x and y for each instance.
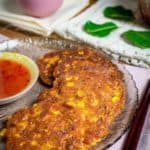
(87, 92)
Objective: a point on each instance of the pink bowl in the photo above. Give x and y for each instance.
(40, 8)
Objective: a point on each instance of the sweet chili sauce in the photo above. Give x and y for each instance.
(14, 77)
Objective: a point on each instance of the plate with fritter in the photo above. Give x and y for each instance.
(82, 100)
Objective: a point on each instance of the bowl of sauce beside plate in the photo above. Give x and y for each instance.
(18, 74)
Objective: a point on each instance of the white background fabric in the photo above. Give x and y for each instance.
(9, 12)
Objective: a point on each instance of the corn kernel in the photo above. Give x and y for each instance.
(93, 119)
(68, 78)
(80, 104)
(34, 143)
(116, 96)
(47, 146)
(80, 93)
(67, 65)
(76, 78)
(53, 60)
(71, 103)
(3, 133)
(17, 135)
(81, 52)
(115, 99)
(55, 112)
(37, 135)
(22, 143)
(95, 102)
(46, 130)
(23, 124)
(37, 110)
(70, 84)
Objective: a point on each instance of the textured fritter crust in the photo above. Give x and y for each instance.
(48, 62)
(47, 66)
(87, 94)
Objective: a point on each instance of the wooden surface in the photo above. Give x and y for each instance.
(14, 32)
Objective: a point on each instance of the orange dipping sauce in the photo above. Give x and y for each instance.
(14, 77)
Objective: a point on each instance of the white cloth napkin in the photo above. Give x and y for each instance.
(9, 12)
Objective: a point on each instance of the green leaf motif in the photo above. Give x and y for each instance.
(119, 12)
(99, 30)
(137, 38)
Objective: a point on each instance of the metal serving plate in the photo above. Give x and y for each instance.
(35, 47)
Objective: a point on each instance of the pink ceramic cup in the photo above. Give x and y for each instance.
(40, 8)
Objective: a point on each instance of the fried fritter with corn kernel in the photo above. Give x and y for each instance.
(87, 94)
(49, 61)
(45, 126)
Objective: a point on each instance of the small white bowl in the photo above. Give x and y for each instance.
(30, 65)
